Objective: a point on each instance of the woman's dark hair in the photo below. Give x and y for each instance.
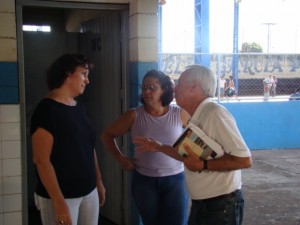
(61, 67)
(166, 85)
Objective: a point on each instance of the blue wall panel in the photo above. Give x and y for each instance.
(137, 72)
(268, 125)
(9, 83)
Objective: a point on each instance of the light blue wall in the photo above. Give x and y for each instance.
(268, 125)
(264, 125)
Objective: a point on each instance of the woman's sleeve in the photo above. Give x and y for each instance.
(41, 118)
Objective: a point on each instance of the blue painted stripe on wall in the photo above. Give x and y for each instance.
(9, 95)
(9, 82)
(137, 72)
(268, 125)
(8, 74)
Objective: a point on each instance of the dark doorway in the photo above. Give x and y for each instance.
(101, 33)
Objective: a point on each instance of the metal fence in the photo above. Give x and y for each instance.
(248, 73)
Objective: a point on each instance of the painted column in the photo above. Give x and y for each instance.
(235, 56)
(143, 20)
(10, 137)
(202, 32)
(143, 26)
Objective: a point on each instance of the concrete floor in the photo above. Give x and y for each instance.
(272, 188)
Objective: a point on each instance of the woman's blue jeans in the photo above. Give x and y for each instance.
(218, 211)
(161, 200)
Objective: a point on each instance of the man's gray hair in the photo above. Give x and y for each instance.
(204, 76)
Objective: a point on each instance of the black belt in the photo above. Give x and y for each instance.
(232, 194)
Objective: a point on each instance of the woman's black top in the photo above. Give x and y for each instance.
(72, 153)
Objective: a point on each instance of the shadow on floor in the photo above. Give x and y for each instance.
(34, 218)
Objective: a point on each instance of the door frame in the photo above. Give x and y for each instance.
(22, 92)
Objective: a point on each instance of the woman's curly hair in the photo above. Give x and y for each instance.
(61, 67)
(166, 84)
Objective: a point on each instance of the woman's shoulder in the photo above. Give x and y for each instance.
(130, 114)
(43, 105)
(136, 109)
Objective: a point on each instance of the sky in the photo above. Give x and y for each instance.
(282, 36)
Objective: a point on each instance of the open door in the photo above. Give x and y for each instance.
(105, 98)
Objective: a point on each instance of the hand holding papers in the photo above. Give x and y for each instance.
(201, 144)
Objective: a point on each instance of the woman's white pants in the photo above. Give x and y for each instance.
(84, 210)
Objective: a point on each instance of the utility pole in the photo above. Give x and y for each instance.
(268, 40)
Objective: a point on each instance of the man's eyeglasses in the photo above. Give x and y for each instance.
(150, 87)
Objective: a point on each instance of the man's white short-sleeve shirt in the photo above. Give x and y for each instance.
(218, 123)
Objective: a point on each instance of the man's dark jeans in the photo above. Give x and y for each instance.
(221, 210)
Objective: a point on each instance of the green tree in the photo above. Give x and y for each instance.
(251, 47)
